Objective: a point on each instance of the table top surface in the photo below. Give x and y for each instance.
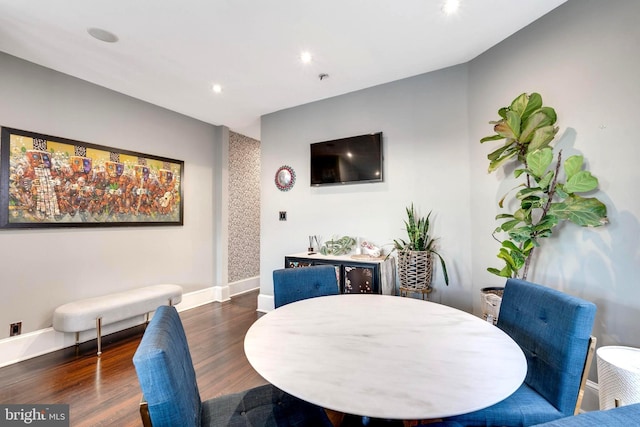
(385, 356)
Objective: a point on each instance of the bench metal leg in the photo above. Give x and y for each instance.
(77, 339)
(99, 333)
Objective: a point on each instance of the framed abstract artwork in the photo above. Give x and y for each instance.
(48, 181)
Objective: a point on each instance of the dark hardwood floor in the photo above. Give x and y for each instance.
(104, 391)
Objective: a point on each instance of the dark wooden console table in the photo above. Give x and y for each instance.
(357, 274)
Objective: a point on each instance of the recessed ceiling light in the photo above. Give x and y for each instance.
(103, 35)
(216, 88)
(450, 7)
(305, 57)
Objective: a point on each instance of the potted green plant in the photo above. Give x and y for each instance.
(415, 255)
(550, 190)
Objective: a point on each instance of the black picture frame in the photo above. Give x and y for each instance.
(48, 181)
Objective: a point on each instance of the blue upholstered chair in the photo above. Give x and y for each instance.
(294, 284)
(553, 329)
(170, 392)
(624, 416)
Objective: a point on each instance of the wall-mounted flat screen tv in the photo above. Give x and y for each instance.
(347, 160)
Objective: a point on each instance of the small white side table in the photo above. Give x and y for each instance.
(618, 376)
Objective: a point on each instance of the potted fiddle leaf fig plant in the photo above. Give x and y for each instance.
(415, 255)
(550, 190)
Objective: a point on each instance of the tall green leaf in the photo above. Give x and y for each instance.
(533, 103)
(551, 113)
(505, 272)
(518, 172)
(527, 192)
(499, 152)
(519, 105)
(509, 225)
(537, 120)
(506, 256)
(510, 245)
(586, 212)
(542, 137)
(532, 202)
(521, 234)
(581, 182)
(560, 191)
(513, 120)
(547, 223)
(573, 165)
(521, 215)
(493, 165)
(503, 216)
(538, 161)
(509, 127)
(544, 182)
(528, 244)
(512, 255)
(491, 138)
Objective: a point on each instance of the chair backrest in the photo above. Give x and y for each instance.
(553, 329)
(165, 372)
(294, 284)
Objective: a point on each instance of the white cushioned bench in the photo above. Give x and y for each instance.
(89, 313)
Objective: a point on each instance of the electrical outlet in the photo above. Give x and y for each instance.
(15, 329)
(283, 216)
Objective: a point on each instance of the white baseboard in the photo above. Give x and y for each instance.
(32, 344)
(244, 286)
(36, 343)
(265, 303)
(197, 298)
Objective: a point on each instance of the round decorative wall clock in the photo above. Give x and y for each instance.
(285, 178)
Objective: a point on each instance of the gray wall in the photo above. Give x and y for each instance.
(42, 269)
(426, 158)
(583, 59)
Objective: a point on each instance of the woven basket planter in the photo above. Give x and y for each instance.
(415, 269)
(491, 298)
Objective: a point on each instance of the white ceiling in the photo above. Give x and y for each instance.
(170, 52)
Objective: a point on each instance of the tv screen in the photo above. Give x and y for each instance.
(347, 160)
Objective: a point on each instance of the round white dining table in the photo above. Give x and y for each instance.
(385, 357)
